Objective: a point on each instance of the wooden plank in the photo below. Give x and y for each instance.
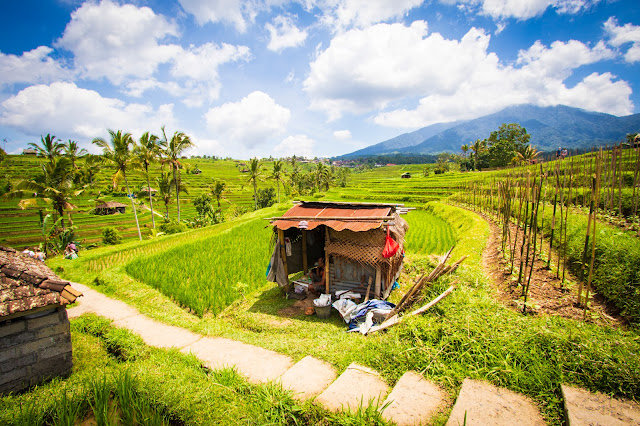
(326, 261)
(283, 253)
(340, 218)
(305, 266)
(378, 281)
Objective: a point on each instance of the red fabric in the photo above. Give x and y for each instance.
(390, 247)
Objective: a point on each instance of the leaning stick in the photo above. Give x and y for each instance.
(395, 319)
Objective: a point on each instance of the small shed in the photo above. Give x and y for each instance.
(29, 152)
(406, 175)
(34, 328)
(110, 207)
(350, 237)
(145, 191)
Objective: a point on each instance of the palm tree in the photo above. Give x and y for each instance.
(72, 152)
(294, 175)
(465, 149)
(147, 151)
(526, 154)
(217, 190)
(54, 186)
(172, 150)
(477, 147)
(119, 154)
(91, 167)
(255, 174)
(277, 173)
(165, 184)
(50, 147)
(322, 175)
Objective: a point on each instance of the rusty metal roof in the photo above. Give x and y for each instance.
(352, 211)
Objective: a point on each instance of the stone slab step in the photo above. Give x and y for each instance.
(308, 377)
(259, 365)
(486, 404)
(155, 333)
(356, 387)
(413, 400)
(585, 408)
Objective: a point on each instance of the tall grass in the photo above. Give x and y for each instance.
(208, 275)
(428, 234)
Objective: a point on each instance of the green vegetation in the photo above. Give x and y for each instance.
(116, 379)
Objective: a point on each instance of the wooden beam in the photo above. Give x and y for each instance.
(378, 281)
(326, 262)
(283, 253)
(304, 251)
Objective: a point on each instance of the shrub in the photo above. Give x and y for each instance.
(173, 227)
(266, 197)
(111, 236)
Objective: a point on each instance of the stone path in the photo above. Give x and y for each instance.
(412, 401)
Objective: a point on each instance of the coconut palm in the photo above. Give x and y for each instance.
(465, 149)
(72, 152)
(477, 147)
(165, 184)
(294, 175)
(172, 150)
(91, 167)
(119, 152)
(277, 173)
(255, 174)
(146, 152)
(54, 186)
(217, 190)
(526, 154)
(49, 147)
(322, 175)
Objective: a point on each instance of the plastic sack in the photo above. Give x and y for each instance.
(390, 246)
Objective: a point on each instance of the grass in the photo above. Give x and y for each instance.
(156, 387)
(469, 334)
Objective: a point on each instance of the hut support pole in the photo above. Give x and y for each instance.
(378, 280)
(326, 262)
(283, 253)
(304, 251)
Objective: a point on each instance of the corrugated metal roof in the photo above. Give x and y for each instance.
(320, 211)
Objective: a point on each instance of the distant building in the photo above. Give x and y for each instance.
(30, 152)
(110, 207)
(406, 175)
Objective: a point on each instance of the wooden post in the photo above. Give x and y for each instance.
(304, 252)
(378, 280)
(326, 261)
(283, 253)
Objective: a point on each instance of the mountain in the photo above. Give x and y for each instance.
(405, 140)
(549, 127)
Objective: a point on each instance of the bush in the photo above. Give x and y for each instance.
(111, 236)
(173, 227)
(266, 197)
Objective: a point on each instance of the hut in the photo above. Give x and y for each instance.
(144, 191)
(110, 207)
(351, 238)
(29, 152)
(34, 328)
(406, 175)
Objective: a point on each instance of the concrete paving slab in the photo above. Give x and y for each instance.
(413, 400)
(155, 333)
(259, 365)
(357, 386)
(486, 404)
(308, 377)
(93, 301)
(595, 409)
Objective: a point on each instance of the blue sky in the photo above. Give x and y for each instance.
(308, 77)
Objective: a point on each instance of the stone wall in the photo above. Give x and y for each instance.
(34, 348)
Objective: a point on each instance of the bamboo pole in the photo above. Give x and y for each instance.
(593, 250)
(305, 261)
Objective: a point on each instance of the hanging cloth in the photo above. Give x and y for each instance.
(390, 246)
(276, 272)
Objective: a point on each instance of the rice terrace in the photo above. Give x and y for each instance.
(320, 213)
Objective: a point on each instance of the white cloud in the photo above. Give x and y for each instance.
(34, 66)
(368, 70)
(115, 42)
(249, 122)
(299, 145)
(342, 134)
(521, 9)
(362, 13)
(71, 112)
(284, 33)
(627, 33)
(213, 11)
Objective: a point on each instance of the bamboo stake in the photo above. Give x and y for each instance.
(593, 249)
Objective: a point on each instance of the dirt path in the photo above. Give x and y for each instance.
(547, 293)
